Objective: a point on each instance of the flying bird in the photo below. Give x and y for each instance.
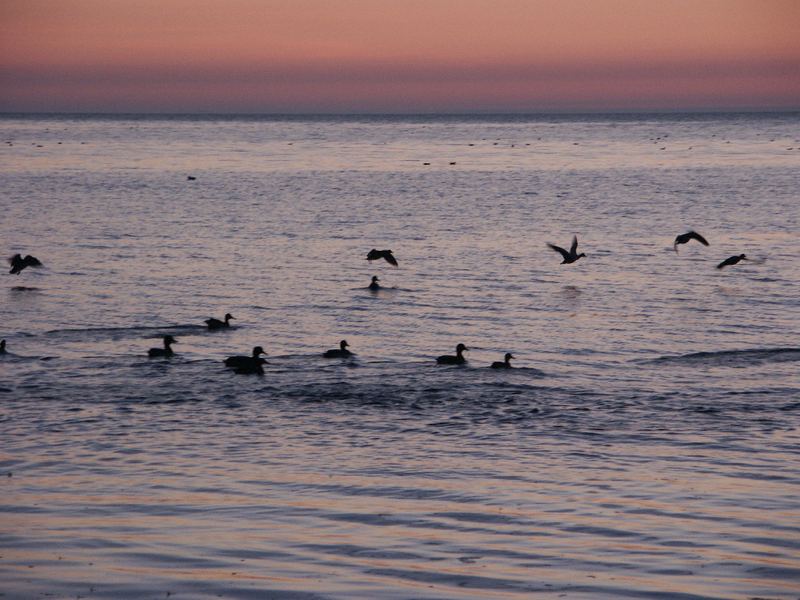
(505, 363)
(166, 350)
(731, 261)
(18, 263)
(385, 254)
(449, 359)
(572, 255)
(341, 352)
(217, 324)
(688, 236)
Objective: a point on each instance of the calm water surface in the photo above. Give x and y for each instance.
(646, 445)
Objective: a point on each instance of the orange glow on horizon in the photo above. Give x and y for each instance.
(211, 54)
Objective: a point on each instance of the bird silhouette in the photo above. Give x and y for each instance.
(341, 352)
(572, 255)
(449, 359)
(248, 364)
(385, 254)
(504, 364)
(217, 324)
(732, 260)
(18, 263)
(688, 236)
(166, 350)
(374, 285)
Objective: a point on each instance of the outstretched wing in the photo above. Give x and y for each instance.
(558, 249)
(31, 261)
(693, 235)
(574, 248)
(387, 254)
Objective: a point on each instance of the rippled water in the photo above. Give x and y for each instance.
(646, 445)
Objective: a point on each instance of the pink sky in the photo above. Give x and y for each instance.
(398, 56)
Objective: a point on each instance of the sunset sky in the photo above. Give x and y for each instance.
(368, 56)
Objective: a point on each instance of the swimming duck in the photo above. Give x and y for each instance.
(572, 255)
(731, 261)
(237, 362)
(342, 352)
(217, 324)
(688, 236)
(18, 263)
(506, 364)
(374, 286)
(385, 254)
(458, 359)
(166, 350)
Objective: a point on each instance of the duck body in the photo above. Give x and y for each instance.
(217, 324)
(247, 362)
(733, 260)
(569, 256)
(166, 350)
(18, 264)
(384, 254)
(374, 286)
(505, 363)
(458, 359)
(340, 352)
(687, 237)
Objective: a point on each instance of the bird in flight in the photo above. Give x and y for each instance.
(731, 261)
(385, 254)
(18, 263)
(572, 255)
(688, 236)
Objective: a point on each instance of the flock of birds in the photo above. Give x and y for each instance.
(253, 364)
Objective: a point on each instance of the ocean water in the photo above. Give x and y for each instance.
(645, 445)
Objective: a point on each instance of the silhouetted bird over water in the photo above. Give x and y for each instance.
(458, 359)
(572, 255)
(688, 236)
(342, 352)
(731, 261)
(166, 350)
(505, 364)
(375, 286)
(247, 364)
(217, 324)
(2, 346)
(385, 254)
(18, 263)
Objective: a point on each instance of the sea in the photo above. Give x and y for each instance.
(645, 444)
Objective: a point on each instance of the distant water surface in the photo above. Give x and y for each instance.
(645, 446)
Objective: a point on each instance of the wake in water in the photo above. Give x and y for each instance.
(732, 358)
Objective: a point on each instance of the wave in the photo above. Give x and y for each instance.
(732, 358)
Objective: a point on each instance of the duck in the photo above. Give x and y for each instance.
(504, 364)
(385, 254)
(217, 324)
(458, 359)
(732, 260)
(166, 350)
(244, 361)
(374, 286)
(687, 237)
(341, 352)
(572, 255)
(18, 264)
